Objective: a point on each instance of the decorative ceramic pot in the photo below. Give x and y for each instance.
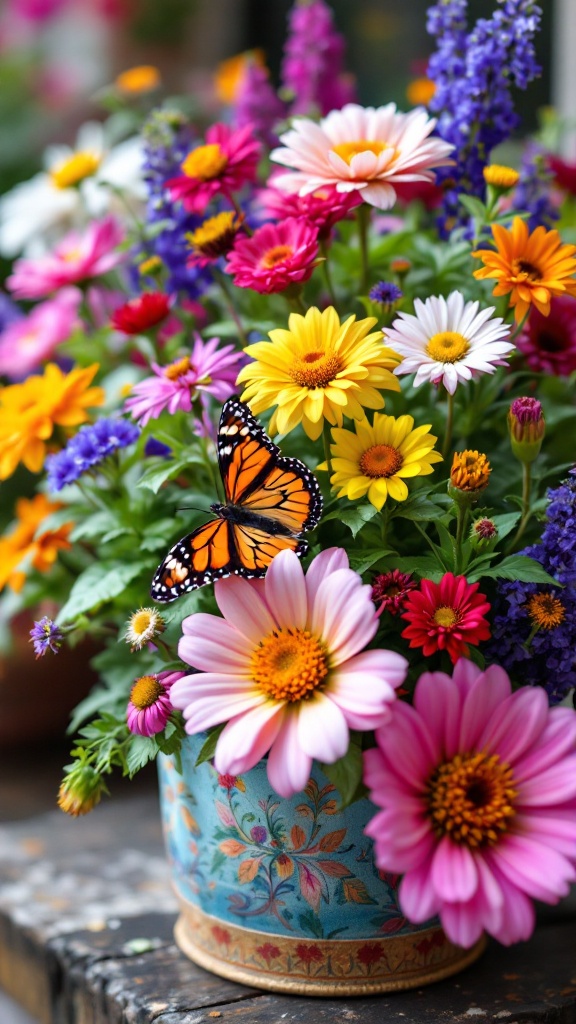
(284, 894)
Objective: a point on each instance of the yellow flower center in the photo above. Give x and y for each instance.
(75, 169)
(315, 369)
(177, 369)
(382, 460)
(205, 162)
(501, 176)
(278, 254)
(447, 347)
(142, 78)
(546, 611)
(215, 229)
(145, 692)
(471, 799)
(142, 621)
(470, 471)
(348, 150)
(289, 665)
(525, 271)
(445, 616)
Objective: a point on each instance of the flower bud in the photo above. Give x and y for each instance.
(483, 535)
(469, 476)
(500, 177)
(80, 790)
(527, 428)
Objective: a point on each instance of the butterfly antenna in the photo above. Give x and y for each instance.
(191, 508)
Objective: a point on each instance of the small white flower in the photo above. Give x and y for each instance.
(448, 341)
(143, 626)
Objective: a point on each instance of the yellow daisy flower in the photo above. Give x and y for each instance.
(374, 460)
(318, 369)
(531, 268)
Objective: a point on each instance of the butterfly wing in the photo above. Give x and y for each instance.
(256, 548)
(202, 556)
(261, 480)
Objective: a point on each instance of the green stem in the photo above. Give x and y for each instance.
(519, 327)
(222, 281)
(462, 520)
(526, 490)
(363, 220)
(295, 301)
(327, 438)
(327, 274)
(449, 425)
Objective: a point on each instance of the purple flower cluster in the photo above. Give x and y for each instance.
(534, 190)
(473, 73)
(313, 76)
(88, 448)
(46, 636)
(167, 142)
(542, 656)
(258, 105)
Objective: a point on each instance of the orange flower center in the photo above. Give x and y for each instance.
(145, 692)
(315, 369)
(289, 665)
(348, 150)
(381, 460)
(447, 347)
(525, 271)
(546, 611)
(177, 369)
(73, 170)
(446, 617)
(205, 162)
(471, 799)
(278, 254)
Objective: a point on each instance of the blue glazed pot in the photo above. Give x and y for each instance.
(284, 894)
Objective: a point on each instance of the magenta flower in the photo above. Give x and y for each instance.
(477, 787)
(276, 256)
(25, 344)
(78, 257)
(207, 370)
(150, 707)
(283, 668)
(323, 208)
(227, 161)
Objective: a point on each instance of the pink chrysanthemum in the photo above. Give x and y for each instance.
(324, 208)
(276, 256)
(78, 257)
(207, 370)
(548, 343)
(150, 707)
(227, 161)
(27, 343)
(361, 148)
(446, 616)
(284, 668)
(477, 787)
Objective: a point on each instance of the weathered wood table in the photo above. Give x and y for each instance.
(86, 917)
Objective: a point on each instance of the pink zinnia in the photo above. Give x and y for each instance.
(27, 343)
(276, 256)
(446, 616)
(548, 343)
(207, 370)
(78, 257)
(283, 668)
(477, 787)
(150, 707)
(323, 208)
(227, 161)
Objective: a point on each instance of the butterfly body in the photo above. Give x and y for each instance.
(270, 501)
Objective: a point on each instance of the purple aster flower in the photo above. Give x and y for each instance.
(313, 75)
(385, 293)
(91, 445)
(46, 635)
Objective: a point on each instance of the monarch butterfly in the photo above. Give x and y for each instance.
(269, 501)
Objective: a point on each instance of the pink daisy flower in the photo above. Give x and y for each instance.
(361, 148)
(477, 787)
(323, 208)
(76, 258)
(283, 668)
(150, 707)
(227, 161)
(446, 616)
(207, 370)
(27, 343)
(276, 256)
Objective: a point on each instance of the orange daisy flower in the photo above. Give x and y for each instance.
(532, 268)
(28, 545)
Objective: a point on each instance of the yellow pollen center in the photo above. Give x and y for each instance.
(178, 369)
(145, 692)
(382, 460)
(471, 799)
(447, 347)
(445, 616)
(348, 150)
(525, 271)
(315, 369)
(141, 622)
(75, 169)
(213, 230)
(205, 162)
(289, 665)
(546, 611)
(278, 254)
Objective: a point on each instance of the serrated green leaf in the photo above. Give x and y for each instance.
(346, 774)
(505, 523)
(419, 510)
(425, 566)
(360, 561)
(98, 583)
(141, 750)
(354, 518)
(94, 525)
(153, 478)
(518, 568)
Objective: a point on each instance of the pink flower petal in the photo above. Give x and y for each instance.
(289, 767)
(204, 712)
(462, 922)
(533, 867)
(285, 591)
(244, 609)
(327, 562)
(454, 874)
(322, 729)
(518, 916)
(418, 898)
(555, 785)
(343, 614)
(406, 746)
(437, 699)
(517, 725)
(247, 737)
(484, 697)
(557, 740)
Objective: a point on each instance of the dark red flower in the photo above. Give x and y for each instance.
(446, 616)
(227, 781)
(309, 954)
(370, 954)
(221, 935)
(564, 173)
(138, 315)
(268, 951)
(390, 590)
(548, 343)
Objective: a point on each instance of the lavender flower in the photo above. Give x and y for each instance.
(385, 293)
(313, 76)
(46, 635)
(90, 446)
(473, 73)
(534, 190)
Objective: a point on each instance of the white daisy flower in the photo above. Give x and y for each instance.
(449, 340)
(143, 626)
(361, 148)
(78, 183)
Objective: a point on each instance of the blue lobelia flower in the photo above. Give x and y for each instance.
(90, 446)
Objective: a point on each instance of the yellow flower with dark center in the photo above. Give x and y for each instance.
(27, 545)
(215, 235)
(375, 460)
(318, 369)
(75, 168)
(545, 610)
(470, 471)
(531, 268)
(140, 79)
(500, 176)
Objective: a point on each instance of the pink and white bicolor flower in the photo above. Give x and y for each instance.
(284, 668)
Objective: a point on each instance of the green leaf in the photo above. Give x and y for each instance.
(419, 509)
(354, 518)
(425, 566)
(141, 750)
(505, 523)
(94, 525)
(474, 206)
(518, 568)
(346, 774)
(98, 583)
(360, 561)
(153, 478)
(208, 748)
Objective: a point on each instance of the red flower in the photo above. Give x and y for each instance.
(446, 616)
(276, 256)
(268, 952)
(221, 935)
(226, 162)
(309, 954)
(548, 343)
(370, 954)
(227, 781)
(138, 315)
(390, 590)
(564, 173)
